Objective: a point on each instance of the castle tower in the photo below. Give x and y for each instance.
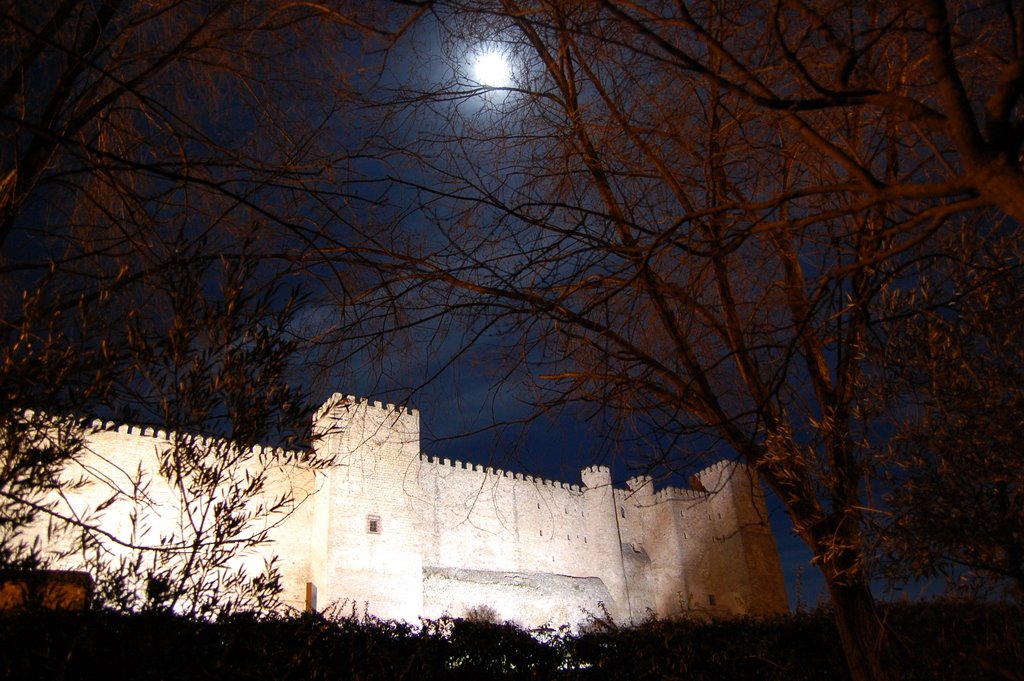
(747, 574)
(676, 545)
(367, 547)
(600, 511)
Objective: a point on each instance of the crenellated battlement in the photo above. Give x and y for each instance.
(717, 467)
(339, 400)
(498, 472)
(417, 535)
(199, 441)
(640, 484)
(670, 494)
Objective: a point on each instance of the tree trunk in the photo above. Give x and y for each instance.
(865, 638)
(1005, 188)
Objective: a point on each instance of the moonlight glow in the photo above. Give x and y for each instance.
(491, 69)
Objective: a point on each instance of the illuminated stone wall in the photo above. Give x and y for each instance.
(451, 531)
(114, 484)
(403, 535)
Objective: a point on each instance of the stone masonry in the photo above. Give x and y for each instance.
(405, 535)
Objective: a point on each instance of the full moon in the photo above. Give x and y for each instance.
(491, 69)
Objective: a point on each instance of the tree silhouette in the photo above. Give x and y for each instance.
(167, 171)
(687, 214)
(952, 370)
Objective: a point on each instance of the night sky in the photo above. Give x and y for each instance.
(473, 408)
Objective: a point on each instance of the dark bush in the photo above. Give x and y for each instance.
(945, 640)
(784, 648)
(959, 640)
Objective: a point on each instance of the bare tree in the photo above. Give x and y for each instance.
(686, 214)
(132, 113)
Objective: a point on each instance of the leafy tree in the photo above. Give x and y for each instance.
(953, 369)
(168, 170)
(685, 214)
(205, 353)
(42, 372)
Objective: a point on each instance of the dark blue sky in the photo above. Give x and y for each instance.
(459, 407)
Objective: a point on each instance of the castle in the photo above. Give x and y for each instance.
(407, 535)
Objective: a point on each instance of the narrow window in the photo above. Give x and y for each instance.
(373, 524)
(711, 600)
(542, 533)
(622, 511)
(310, 597)
(685, 536)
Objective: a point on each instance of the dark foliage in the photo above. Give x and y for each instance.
(960, 640)
(954, 369)
(951, 640)
(790, 648)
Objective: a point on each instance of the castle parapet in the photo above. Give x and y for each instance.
(339, 400)
(670, 494)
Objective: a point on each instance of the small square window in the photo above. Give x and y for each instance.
(373, 524)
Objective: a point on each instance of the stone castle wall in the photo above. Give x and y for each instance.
(115, 484)
(406, 535)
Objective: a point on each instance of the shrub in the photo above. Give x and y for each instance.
(945, 640)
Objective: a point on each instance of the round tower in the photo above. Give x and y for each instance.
(604, 543)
